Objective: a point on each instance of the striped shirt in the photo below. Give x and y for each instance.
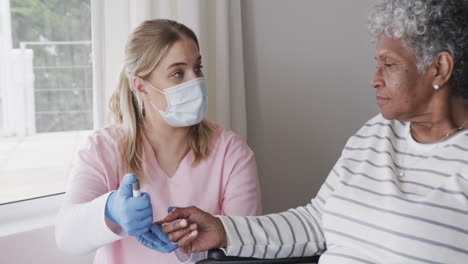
(366, 212)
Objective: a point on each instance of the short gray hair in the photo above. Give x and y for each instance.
(428, 27)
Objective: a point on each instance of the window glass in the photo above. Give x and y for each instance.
(46, 94)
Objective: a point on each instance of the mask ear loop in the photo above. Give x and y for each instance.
(154, 87)
(159, 92)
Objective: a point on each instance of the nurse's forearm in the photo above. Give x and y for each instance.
(82, 228)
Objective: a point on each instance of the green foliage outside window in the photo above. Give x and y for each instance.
(63, 73)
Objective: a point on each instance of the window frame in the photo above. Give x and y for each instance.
(27, 215)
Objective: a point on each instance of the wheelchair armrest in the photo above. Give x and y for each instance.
(217, 256)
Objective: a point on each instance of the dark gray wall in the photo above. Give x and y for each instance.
(308, 66)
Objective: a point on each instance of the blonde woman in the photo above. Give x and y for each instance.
(162, 139)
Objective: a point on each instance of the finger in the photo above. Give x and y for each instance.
(177, 213)
(186, 240)
(138, 231)
(138, 224)
(151, 240)
(140, 215)
(125, 188)
(179, 234)
(174, 226)
(147, 222)
(156, 229)
(139, 203)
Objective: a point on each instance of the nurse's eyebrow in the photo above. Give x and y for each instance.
(175, 64)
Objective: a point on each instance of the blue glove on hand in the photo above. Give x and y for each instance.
(170, 209)
(157, 240)
(133, 214)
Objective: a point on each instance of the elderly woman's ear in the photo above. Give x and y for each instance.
(443, 68)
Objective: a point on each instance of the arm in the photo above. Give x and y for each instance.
(81, 226)
(242, 191)
(296, 232)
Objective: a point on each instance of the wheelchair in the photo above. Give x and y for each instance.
(217, 256)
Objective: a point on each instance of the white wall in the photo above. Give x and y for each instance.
(308, 65)
(37, 247)
(27, 235)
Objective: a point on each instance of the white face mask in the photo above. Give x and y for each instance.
(186, 103)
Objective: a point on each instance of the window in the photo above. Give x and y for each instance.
(46, 93)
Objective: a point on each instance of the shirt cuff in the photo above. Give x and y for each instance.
(233, 243)
(193, 258)
(107, 230)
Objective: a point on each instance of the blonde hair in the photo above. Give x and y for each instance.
(146, 46)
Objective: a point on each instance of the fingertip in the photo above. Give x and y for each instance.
(146, 196)
(129, 178)
(131, 175)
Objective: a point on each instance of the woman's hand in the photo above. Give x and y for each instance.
(156, 240)
(199, 231)
(133, 214)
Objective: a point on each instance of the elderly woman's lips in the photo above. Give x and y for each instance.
(381, 100)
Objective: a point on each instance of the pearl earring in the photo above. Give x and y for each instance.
(436, 87)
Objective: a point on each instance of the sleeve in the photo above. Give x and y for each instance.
(242, 191)
(81, 226)
(192, 259)
(294, 233)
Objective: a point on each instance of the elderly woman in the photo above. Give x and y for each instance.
(399, 191)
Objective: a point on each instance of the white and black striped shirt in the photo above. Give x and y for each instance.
(365, 212)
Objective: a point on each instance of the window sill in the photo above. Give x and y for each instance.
(29, 215)
(37, 165)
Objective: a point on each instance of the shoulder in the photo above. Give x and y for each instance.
(106, 138)
(378, 129)
(99, 153)
(378, 125)
(227, 141)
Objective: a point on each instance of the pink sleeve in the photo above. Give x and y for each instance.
(242, 191)
(92, 175)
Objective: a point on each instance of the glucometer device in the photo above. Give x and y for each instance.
(136, 188)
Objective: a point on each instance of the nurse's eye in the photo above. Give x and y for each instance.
(178, 75)
(199, 69)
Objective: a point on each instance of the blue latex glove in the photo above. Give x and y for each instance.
(170, 209)
(133, 214)
(157, 240)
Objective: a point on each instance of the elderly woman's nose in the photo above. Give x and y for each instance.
(377, 80)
